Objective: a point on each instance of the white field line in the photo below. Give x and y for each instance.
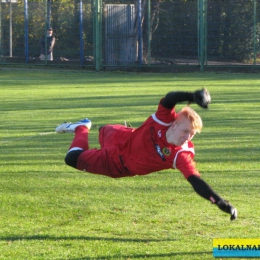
(26, 137)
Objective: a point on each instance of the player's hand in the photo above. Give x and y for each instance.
(228, 208)
(202, 97)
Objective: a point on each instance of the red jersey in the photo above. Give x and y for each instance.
(145, 149)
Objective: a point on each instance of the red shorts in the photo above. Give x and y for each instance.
(106, 161)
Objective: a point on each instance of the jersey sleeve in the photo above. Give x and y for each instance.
(186, 165)
(164, 114)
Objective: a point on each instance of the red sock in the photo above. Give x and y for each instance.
(81, 138)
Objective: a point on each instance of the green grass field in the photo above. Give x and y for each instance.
(51, 211)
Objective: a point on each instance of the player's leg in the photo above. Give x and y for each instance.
(78, 145)
(80, 141)
(71, 158)
(112, 135)
(103, 162)
(50, 56)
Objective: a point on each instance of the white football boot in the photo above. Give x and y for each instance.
(70, 127)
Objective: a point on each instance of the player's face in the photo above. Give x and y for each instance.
(180, 132)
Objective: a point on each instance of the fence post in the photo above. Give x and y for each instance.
(254, 28)
(0, 31)
(201, 35)
(49, 6)
(11, 29)
(97, 33)
(149, 31)
(45, 31)
(26, 31)
(81, 32)
(140, 40)
(206, 32)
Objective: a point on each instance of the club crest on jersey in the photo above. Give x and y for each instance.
(166, 151)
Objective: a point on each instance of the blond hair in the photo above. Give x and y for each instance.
(194, 118)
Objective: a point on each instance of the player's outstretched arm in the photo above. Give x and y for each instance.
(205, 191)
(200, 97)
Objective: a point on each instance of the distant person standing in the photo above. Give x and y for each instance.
(50, 45)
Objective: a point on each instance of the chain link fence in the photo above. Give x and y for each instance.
(103, 34)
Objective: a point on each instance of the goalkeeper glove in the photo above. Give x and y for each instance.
(202, 97)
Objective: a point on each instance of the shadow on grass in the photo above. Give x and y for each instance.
(137, 256)
(45, 237)
(144, 256)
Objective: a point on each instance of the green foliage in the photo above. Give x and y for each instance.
(51, 211)
(231, 28)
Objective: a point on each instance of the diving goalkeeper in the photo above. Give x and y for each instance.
(163, 141)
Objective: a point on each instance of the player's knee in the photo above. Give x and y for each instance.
(72, 158)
